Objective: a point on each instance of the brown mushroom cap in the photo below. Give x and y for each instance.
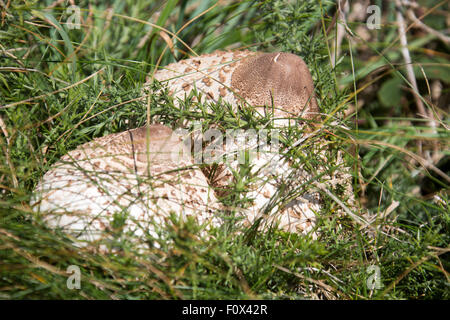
(281, 77)
(160, 142)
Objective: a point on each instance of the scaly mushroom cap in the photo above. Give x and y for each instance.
(253, 77)
(91, 185)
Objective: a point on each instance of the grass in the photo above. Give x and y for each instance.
(62, 87)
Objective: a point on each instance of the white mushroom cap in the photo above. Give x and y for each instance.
(110, 175)
(254, 77)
